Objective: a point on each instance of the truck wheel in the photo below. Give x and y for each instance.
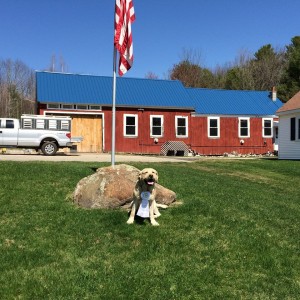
(49, 148)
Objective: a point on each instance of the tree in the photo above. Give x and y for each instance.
(191, 75)
(233, 79)
(190, 72)
(290, 83)
(62, 66)
(17, 89)
(267, 67)
(151, 75)
(239, 76)
(260, 71)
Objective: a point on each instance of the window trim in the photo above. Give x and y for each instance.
(161, 126)
(248, 123)
(66, 106)
(263, 128)
(125, 125)
(95, 107)
(209, 127)
(293, 128)
(83, 107)
(53, 106)
(186, 126)
(72, 106)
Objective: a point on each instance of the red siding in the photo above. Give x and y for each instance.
(229, 140)
(143, 143)
(197, 139)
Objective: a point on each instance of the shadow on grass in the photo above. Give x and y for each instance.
(139, 220)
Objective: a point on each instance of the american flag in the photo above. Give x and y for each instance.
(124, 16)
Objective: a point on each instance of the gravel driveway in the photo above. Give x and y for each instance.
(100, 157)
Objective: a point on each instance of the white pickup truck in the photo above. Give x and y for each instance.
(47, 133)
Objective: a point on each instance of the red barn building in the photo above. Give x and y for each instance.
(159, 116)
(234, 121)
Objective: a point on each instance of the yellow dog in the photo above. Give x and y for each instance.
(145, 189)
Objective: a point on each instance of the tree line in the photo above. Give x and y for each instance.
(17, 86)
(267, 68)
(17, 89)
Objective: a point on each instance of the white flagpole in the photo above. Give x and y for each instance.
(113, 126)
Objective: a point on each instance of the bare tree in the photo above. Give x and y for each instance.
(17, 88)
(268, 67)
(151, 75)
(190, 72)
(62, 67)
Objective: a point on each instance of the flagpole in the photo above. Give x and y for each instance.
(113, 127)
(124, 16)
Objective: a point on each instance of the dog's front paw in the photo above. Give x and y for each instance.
(130, 221)
(154, 223)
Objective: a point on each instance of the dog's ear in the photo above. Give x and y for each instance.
(140, 175)
(156, 174)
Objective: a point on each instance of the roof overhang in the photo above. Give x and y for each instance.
(180, 108)
(184, 108)
(289, 112)
(233, 116)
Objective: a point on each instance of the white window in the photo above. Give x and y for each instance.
(293, 129)
(244, 127)
(81, 106)
(130, 125)
(267, 127)
(156, 126)
(213, 127)
(53, 106)
(95, 107)
(181, 125)
(67, 106)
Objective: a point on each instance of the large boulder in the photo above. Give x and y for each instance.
(113, 188)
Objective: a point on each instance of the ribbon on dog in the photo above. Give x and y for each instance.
(144, 211)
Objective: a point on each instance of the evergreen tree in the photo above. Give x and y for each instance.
(290, 84)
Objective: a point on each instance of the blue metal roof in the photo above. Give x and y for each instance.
(89, 89)
(97, 90)
(233, 102)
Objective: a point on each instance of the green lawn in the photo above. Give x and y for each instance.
(235, 236)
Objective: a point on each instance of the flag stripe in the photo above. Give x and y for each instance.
(124, 16)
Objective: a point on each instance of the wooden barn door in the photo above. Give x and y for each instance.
(90, 128)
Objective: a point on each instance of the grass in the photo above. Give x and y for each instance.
(236, 235)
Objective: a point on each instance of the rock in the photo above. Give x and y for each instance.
(113, 188)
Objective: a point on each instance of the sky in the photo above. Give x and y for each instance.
(80, 32)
